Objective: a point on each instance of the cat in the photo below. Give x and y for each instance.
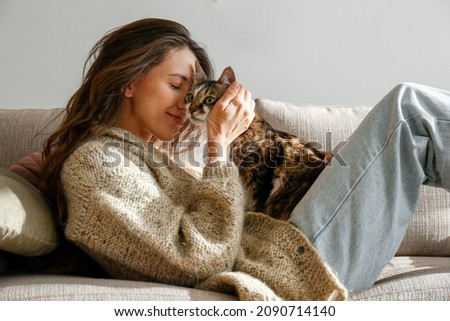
(276, 168)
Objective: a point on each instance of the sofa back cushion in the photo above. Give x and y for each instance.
(24, 131)
(330, 126)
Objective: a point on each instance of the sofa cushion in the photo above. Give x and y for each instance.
(411, 278)
(73, 288)
(429, 231)
(26, 220)
(29, 167)
(23, 131)
(330, 126)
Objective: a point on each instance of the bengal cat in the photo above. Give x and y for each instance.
(276, 168)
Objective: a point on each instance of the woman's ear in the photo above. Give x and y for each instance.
(128, 91)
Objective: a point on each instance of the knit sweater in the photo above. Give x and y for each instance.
(143, 217)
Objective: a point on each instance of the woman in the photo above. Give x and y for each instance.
(140, 216)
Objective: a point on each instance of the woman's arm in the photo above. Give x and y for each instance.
(144, 224)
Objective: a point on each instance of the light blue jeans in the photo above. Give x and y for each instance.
(356, 215)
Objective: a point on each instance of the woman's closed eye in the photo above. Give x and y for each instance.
(175, 86)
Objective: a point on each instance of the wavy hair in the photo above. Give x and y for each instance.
(118, 59)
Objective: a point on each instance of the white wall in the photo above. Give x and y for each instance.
(302, 51)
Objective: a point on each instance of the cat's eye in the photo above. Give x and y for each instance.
(190, 98)
(210, 100)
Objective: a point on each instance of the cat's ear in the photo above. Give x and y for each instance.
(199, 75)
(228, 76)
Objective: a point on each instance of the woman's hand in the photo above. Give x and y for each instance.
(230, 117)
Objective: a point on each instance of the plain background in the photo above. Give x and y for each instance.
(307, 52)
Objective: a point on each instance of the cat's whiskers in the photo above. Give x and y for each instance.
(213, 122)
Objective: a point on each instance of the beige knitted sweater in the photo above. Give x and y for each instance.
(142, 217)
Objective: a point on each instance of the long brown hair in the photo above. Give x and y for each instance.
(121, 57)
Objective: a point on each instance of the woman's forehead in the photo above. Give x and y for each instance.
(180, 63)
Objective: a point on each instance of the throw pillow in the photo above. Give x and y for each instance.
(29, 167)
(26, 220)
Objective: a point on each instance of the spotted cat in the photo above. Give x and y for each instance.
(276, 168)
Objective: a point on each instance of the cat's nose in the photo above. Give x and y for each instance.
(192, 108)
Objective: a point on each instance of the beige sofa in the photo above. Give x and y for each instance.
(420, 271)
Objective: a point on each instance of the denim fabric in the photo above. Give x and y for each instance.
(358, 210)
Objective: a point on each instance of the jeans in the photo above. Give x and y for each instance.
(356, 214)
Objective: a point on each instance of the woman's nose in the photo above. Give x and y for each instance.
(181, 102)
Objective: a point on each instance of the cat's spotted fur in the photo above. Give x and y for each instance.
(276, 168)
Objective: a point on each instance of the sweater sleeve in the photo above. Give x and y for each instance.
(145, 224)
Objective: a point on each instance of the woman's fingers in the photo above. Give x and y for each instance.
(231, 115)
(231, 92)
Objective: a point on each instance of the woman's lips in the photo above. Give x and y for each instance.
(177, 119)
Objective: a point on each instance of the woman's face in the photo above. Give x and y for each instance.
(154, 105)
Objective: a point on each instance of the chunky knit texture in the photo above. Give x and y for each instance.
(142, 217)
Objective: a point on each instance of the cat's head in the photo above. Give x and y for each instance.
(204, 93)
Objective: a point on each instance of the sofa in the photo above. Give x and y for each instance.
(32, 249)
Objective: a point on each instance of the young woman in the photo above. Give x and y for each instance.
(140, 216)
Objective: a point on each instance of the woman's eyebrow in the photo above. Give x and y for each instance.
(183, 77)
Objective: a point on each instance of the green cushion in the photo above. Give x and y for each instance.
(26, 221)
